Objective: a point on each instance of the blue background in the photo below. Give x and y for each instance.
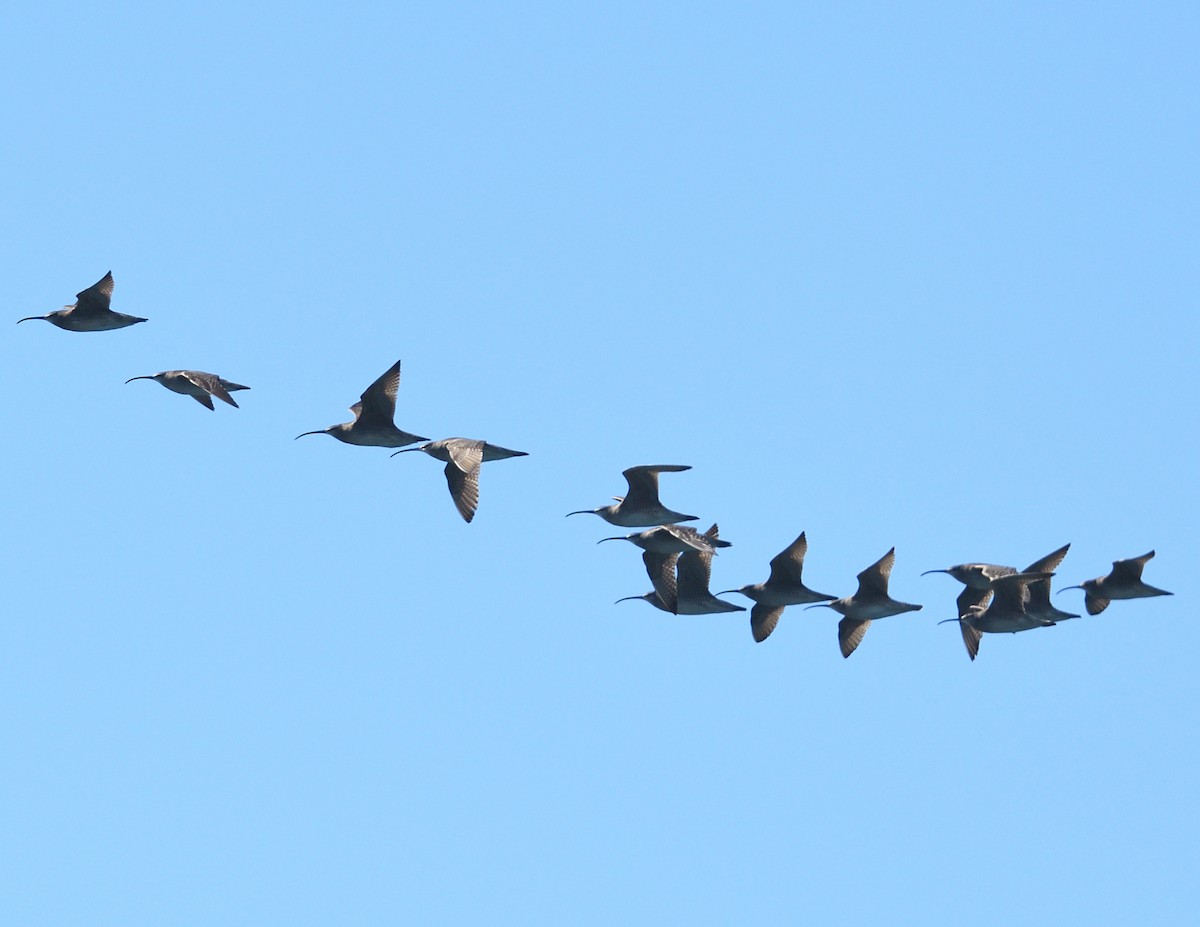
(920, 275)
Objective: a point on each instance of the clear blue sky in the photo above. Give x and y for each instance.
(920, 275)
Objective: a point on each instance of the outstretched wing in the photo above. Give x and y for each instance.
(643, 483)
(462, 475)
(763, 619)
(661, 569)
(1130, 571)
(851, 631)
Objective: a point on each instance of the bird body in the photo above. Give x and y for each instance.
(90, 312)
(463, 458)
(1123, 582)
(374, 414)
(199, 385)
(640, 508)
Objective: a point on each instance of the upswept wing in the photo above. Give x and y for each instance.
(377, 405)
(96, 298)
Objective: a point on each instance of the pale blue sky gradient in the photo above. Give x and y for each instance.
(920, 275)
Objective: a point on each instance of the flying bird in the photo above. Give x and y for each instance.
(90, 312)
(373, 424)
(463, 458)
(871, 601)
(783, 587)
(199, 385)
(640, 508)
(1124, 582)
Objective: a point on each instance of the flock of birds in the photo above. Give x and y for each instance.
(374, 413)
(678, 559)
(995, 599)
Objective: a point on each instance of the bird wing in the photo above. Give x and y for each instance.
(689, 537)
(643, 483)
(464, 489)
(377, 405)
(1010, 590)
(1095, 604)
(763, 619)
(211, 383)
(695, 570)
(874, 579)
(787, 565)
(1050, 562)
(1130, 570)
(96, 298)
(850, 633)
(661, 569)
(971, 637)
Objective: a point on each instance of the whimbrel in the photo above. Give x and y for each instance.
(89, 312)
(373, 424)
(871, 601)
(1008, 611)
(670, 539)
(694, 570)
(640, 508)
(463, 458)
(199, 385)
(783, 587)
(1124, 582)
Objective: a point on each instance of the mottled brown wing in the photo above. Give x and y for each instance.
(464, 490)
(695, 570)
(661, 569)
(850, 634)
(763, 619)
(1094, 603)
(96, 298)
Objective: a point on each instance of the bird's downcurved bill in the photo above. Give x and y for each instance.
(32, 318)
(298, 437)
(927, 572)
(407, 449)
(131, 379)
(818, 605)
(584, 512)
(1065, 588)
